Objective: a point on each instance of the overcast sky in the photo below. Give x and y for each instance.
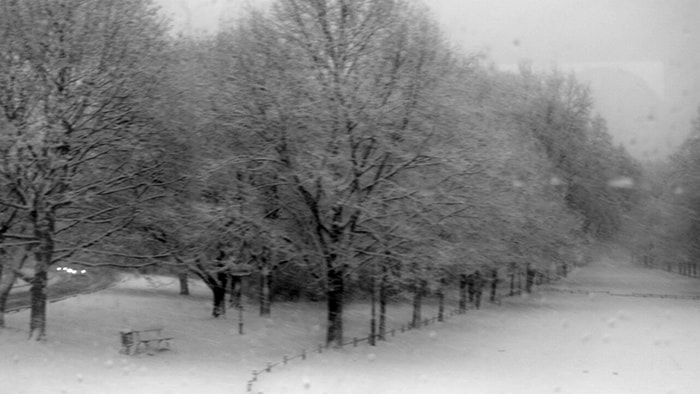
(640, 57)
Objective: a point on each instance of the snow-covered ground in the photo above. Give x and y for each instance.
(549, 342)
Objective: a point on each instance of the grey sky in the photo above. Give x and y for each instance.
(640, 57)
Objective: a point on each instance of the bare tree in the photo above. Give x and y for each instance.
(76, 76)
(334, 94)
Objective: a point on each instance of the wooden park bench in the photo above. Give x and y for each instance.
(134, 340)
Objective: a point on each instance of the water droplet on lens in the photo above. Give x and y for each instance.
(622, 182)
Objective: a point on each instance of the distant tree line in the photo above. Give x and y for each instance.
(325, 149)
(663, 229)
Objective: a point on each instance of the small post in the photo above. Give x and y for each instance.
(354, 342)
(303, 354)
(285, 359)
(269, 367)
(240, 319)
(255, 376)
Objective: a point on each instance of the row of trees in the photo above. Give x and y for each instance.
(667, 219)
(344, 142)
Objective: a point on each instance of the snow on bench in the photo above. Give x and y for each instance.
(133, 340)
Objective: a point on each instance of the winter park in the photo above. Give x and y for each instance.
(332, 196)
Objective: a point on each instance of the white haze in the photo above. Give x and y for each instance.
(639, 56)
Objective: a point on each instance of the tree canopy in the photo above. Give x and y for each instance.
(338, 143)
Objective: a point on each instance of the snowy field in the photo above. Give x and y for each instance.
(586, 341)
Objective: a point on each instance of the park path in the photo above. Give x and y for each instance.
(611, 327)
(60, 287)
(616, 274)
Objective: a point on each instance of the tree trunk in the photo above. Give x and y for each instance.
(418, 288)
(37, 319)
(219, 290)
(441, 302)
(265, 291)
(478, 288)
(494, 285)
(335, 295)
(512, 282)
(529, 278)
(43, 231)
(462, 293)
(184, 283)
(520, 280)
(373, 313)
(5, 286)
(382, 303)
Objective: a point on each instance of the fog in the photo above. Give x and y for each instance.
(639, 57)
(500, 197)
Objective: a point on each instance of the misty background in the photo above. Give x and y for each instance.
(639, 57)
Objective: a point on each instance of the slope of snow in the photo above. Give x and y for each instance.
(550, 342)
(82, 352)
